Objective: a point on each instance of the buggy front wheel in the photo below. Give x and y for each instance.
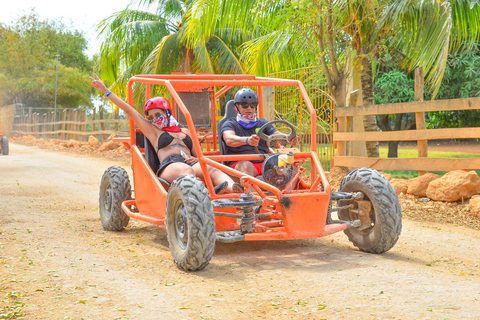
(190, 223)
(114, 190)
(379, 211)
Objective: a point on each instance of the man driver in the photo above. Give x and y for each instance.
(239, 134)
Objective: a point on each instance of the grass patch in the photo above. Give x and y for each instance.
(413, 153)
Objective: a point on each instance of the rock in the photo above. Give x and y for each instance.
(418, 186)
(400, 186)
(335, 176)
(93, 142)
(474, 206)
(454, 186)
(72, 144)
(387, 176)
(109, 145)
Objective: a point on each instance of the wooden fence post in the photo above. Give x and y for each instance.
(420, 116)
(63, 126)
(30, 120)
(83, 126)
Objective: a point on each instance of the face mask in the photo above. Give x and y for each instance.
(158, 120)
(247, 121)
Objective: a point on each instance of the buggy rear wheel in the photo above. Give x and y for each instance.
(190, 223)
(4, 143)
(114, 189)
(384, 216)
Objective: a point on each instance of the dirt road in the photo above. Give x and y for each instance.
(56, 262)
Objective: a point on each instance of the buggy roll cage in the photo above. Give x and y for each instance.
(176, 83)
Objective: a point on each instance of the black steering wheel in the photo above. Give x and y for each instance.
(273, 139)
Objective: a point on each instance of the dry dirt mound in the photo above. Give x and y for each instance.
(108, 149)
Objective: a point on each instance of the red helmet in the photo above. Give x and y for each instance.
(156, 103)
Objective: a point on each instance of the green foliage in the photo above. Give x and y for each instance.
(28, 63)
(461, 81)
(461, 75)
(393, 87)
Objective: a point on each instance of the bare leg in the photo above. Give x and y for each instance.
(246, 167)
(217, 176)
(175, 170)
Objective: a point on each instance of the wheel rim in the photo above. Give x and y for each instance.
(108, 200)
(181, 227)
(369, 230)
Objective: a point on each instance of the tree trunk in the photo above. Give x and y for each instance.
(370, 122)
(393, 149)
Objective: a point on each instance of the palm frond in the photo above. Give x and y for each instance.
(421, 30)
(223, 58)
(466, 24)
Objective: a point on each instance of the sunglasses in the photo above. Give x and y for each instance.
(246, 105)
(156, 115)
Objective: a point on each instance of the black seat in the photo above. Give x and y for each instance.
(150, 155)
(229, 113)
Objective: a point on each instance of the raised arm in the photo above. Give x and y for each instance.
(145, 126)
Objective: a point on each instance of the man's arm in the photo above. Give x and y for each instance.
(234, 141)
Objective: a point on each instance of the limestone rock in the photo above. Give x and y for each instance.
(387, 176)
(93, 142)
(454, 186)
(474, 206)
(72, 144)
(400, 186)
(109, 145)
(418, 186)
(335, 176)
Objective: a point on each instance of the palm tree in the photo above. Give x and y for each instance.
(342, 37)
(151, 39)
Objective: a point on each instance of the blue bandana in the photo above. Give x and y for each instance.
(247, 122)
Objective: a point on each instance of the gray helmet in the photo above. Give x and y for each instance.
(245, 95)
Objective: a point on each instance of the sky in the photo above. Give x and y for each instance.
(82, 15)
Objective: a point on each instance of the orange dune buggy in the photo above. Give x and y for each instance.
(3, 144)
(286, 202)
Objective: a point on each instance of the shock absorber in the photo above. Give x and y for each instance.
(247, 223)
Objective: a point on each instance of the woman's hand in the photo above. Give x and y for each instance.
(98, 84)
(191, 160)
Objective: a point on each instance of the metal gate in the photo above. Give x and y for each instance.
(289, 107)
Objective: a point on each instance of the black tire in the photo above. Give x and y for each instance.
(190, 223)
(4, 145)
(386, 215)
(114, 189)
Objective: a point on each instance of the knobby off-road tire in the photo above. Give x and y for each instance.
(386, 214)
(114, 189)
(190, 223)
(4, 143)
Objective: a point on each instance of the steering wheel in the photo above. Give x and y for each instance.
(273, 139)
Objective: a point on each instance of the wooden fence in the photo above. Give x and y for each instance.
(421, 135)
(70, 124)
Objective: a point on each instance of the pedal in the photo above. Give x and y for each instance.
(230, 236)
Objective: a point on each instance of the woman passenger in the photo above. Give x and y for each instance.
(168, 140)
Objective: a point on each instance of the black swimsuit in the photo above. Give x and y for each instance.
(164, 141)
(166, 138)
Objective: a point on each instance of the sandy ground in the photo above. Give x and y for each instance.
(56, 262)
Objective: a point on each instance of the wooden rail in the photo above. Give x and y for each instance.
(70, 124)
(422, 163)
